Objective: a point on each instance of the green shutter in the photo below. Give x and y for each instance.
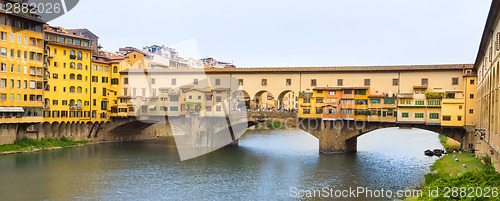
(384, 114)
(395, 113)
(379, 113)
(355, 112)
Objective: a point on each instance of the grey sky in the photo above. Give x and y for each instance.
(292, 32)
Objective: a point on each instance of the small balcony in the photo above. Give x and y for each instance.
(405, 95)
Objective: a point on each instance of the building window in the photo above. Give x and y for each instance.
(404, 114)
(264, 82)
(319, 100)
(471, 81)
(195, 81)
(288, 82)
(307, 100)
(471, 111)
(217, 82)
(153, 81)
(425, 81)
(125, 80)
(367, 82)
(241, 82)
(174, 81)
(319, 111)
(454, 81)
(395, 82)
(340, 82)
(459, 118)
(419, 115)
(433, 115)
(446, 118)
(419, 102)
(313, 82)
(471, 96)
(306, 111)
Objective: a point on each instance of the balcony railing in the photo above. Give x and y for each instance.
(405, 95)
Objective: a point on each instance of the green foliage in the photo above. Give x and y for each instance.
(443, 139)
(488, 177)
(275, 125)
(25, 144)
(434, 94)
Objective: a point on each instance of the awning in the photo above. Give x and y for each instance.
(11, 109)
(152, 107)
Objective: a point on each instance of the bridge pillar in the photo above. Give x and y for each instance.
(337, 136)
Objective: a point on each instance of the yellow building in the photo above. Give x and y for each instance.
(70, 92)
(470, 90)
(452, 109)
(21, 68)
(361, 111)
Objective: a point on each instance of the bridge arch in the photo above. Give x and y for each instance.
(241, 99)
(281, 104)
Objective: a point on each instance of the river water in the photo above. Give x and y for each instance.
(267, 165)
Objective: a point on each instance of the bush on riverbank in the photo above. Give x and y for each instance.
(271, 125)
(25, 144)
(448, 143)
(445, 174)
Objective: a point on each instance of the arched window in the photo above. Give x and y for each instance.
(72, 76)
(72, 65)
(79, 77)
(72, 54)
(79, 66)
(72, 89)
(79, 55)
(115, 69)
(47, 88)
(79, 103)
(71, 102)
(79, 90)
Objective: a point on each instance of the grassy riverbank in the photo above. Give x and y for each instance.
(449, 144)
(271, 125)
(27, 144)
(448, 173)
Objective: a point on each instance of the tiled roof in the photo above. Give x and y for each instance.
(316, 69)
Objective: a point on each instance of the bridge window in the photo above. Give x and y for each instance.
(306, 111)
(367, 82)
(404, 114)
(348, 91)
(471, 96)
(240, 81)
(174, 98)
(209, 108)
(375, 101)
(307, 100)
(174, 81)
(264, 82)
(433, 102)
(195, 81)
(288, 82)
(319, 111)
(389, 101)
(454, 81)
(347, 101)
(425, 81)
(447, 118)
(361, 101)
(459, 118)
(471, 81)
(434, 116)
(313, 82)
(340, 82)
(419, 115)
(395, 82)
(174, 108)
(218, 109)
(217, 82)
(471, 111)
(419, 102)
(319, 100)
(360, 92)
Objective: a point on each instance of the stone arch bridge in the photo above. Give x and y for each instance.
(335, 136)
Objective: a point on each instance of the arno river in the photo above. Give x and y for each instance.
(266, 165)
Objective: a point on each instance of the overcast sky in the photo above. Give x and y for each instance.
(292, 32)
